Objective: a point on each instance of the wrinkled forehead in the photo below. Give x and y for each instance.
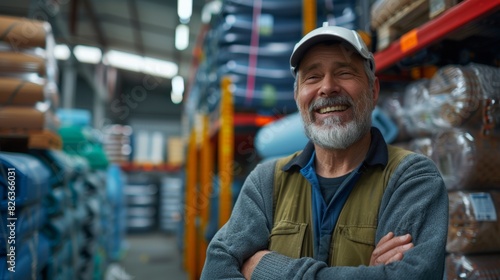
(341, 49)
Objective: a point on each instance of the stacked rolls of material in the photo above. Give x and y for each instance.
(24, 33)
(474, 224)
(24, 182)
(457, 90)
(467, 160)
(453, 118)
(473, 267)
(383, 10)
(28, 90)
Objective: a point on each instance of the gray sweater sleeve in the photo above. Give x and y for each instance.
(247, 230)
(415, 202)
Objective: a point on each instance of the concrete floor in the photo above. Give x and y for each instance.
(152, 256)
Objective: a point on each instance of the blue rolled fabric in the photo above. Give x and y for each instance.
(116, 226)
(280, 51)
(385, 124)
(74, 117)
(59, 261)
(29, 220)
(60, 164)
(268, 70)
(30, 258)
(270, 139)
(32, 179)
(58, 229)
(57, 201)
(289, 8)
(77, 192)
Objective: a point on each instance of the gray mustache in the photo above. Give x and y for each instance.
(330, 101)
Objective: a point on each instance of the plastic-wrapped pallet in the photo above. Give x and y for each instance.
(484, 267)
(474, 225)
(455, 97)
(467, 161)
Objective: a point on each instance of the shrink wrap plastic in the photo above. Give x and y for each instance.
(472, 267)
(474, 226)
(467, 160)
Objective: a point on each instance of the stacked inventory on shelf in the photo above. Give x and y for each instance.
(115, 193)
(448, 110)
(117, 143)
(102, 195)
(452, 118)
(141, 194)
(393, 18)
(251, 42)
(28, 100)
(24, 249)
(170, 204)
(28, 91)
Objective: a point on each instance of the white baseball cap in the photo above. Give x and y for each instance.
(329, 33)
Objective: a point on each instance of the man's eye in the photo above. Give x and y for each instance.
(345, 74)
(311, 77)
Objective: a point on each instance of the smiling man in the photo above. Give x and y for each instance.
(348, 206)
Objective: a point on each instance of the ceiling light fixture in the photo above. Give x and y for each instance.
(178, 85)
(161, 68)
(123, 60)
(176, 98)
(137, 63)
(181, 37)
(88, 54)
(62, 52)
(184, 10)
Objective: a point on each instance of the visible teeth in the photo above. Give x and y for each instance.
(332, 109)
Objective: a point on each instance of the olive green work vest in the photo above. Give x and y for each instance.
(353, 239)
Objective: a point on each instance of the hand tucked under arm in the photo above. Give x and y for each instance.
(390, 248)
(250, 264)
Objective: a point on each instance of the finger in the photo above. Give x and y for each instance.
(379, 249)
(386, 238)
(395, 254)
(396, 257)
(393, 243)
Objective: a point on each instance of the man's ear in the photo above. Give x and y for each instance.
(296, 87)
(376, 91)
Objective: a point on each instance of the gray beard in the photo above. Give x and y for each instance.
(332, 134)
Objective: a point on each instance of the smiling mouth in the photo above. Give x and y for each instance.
(330, 109)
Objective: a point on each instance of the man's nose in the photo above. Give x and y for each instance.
(329, 86)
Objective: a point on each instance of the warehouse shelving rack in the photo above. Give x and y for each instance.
(453, 20)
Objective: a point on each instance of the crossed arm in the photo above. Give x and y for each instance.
(389, 249)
